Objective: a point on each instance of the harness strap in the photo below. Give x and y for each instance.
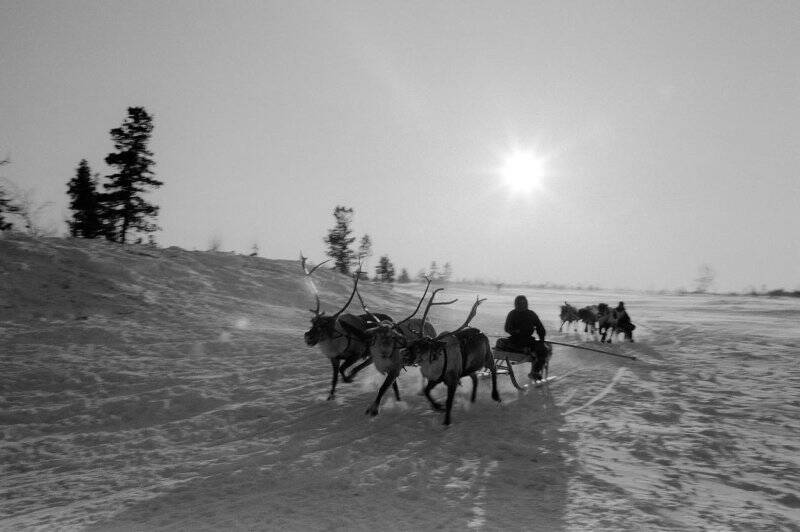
(337, 334)
(444, 366)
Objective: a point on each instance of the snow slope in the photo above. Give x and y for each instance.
(164, 389)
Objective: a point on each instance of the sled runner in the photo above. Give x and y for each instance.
(505, 360)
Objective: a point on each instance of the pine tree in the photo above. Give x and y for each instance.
(404, 278)
(339, 239)
(126, 209)
(384, 271)
(433, 271)
(447, 273)
(705, 278)
(85, 203)
(6, 205)
(363, 255)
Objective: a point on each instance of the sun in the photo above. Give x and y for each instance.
(523, 171)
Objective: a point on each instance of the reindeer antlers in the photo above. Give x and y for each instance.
(308, 276)
(316, 312)
(472, 314)
(303, 261)
(420, 301)
(361, 300)
(352, 294)
(428, 307)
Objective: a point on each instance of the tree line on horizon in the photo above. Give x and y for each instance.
(340, 239)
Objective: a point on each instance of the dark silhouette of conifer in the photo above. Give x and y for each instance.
(87, 220)
(404, 278)
(6, 205)
(339, 239)
(384, 271)
(125, 208)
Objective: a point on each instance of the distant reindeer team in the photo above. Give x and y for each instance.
(347, 339)
(601, 318)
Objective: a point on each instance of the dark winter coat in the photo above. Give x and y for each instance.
(522, 322)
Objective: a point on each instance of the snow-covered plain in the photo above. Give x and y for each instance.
(163, 389)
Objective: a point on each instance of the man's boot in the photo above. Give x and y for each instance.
(532, 356)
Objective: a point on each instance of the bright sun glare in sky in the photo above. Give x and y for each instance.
(523, 171)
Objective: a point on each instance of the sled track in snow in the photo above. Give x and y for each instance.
(605, 391)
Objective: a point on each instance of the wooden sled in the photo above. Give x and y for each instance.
(505, 361)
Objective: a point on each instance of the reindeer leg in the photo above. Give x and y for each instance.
(391, 380)
(396, 390)
(349, 377)
(427, 391)
(346, 363)
(493, 371)
(335, 365)
(474, 387)
(451, 393)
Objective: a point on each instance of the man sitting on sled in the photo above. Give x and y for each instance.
(521, 323)
(624, 322)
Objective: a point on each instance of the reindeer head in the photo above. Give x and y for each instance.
(424, 350)
(323, 327)
(387, 336)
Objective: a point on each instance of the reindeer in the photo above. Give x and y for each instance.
(452, 355)
(569, 315)
(388, 340)
(606, 322)
(588, 315)
(340, 336)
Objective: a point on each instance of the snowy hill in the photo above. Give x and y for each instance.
(134, 376)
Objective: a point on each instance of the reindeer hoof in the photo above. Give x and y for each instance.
(437, 406)
(372, 411)
(331, 397)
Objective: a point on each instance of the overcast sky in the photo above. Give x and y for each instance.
(668, 132)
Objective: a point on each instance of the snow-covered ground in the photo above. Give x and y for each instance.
(154, 389)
